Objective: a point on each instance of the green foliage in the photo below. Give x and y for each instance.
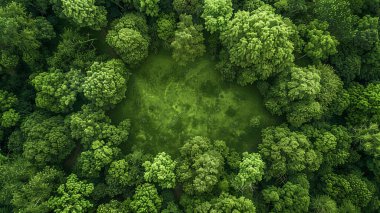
(188, 41)
(150, 7)
(230, 203)
(161, 171)
(250, 40)
(128, 171)
(187, 6)
(106, 83)
(319, 44)
(33, 196)
(85, 13)
(74, 51)
(57, 91)
(92, 161)
(72, 196)
(251, 171)
(304, 94)
(291, 197)
(113, 207)
(47, 139)
(339, 16)
(21, 36)
(146, 199)
(128, 38)
(287, 152)
(323, 204)
(9, 118)
(333, 143)
(166, 26)
(200, 166)
(350, 187)
(216, 14)
(15, 173)
(364, 103)
(347, 63)
(366, 34)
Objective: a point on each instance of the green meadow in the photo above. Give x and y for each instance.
(169, 104)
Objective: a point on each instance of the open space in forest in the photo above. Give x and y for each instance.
(168, 104)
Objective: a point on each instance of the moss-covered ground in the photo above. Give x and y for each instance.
(168, 104)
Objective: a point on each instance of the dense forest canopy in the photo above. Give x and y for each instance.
(189, 106)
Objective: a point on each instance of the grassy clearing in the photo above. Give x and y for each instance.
(168, 104)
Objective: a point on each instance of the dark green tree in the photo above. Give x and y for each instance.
(72, 196)
(106, 83)
(287, 152)
(128, 37)
(216, 14)
(57, 91)
(291, 197)
(188, 41)
(146, 199)
(161, 171)
(259, 42)
(47, 139)
(34, 195)
(21, 36)
(85, 13)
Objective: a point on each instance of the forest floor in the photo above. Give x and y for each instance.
(168, 104)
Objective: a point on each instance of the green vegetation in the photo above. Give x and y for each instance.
(182, 106)
(168, 104)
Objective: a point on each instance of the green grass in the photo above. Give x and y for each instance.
(168, 105)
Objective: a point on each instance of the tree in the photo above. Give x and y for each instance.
(230, 203)
(47, 139)
(352, 187)
(294, 93)
(287, 152)
(187, 6)
(291, 197)
(128, 37)
(72, 196)
(366, 34)
(18, 170)
(57, 91)
(348, 63)
(74, 51)
(161, 171)
(188, 41)
(319, 43)
(150, 7)
(217, 14)
(91, 124)
(113, 207)
(146, 199)
(259, 43)
(364, 103)
(339, 16)
(304, 94)
(21, 36)
(251, 171)
(128, 171)
(9, 118)
(333, 142)
(85, 13)
(34, 195)
(323, 204)
(106, 83)
(92, 161)
(118, 174)
(201, 164)
(166, 26)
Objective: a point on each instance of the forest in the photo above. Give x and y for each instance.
(189, 106)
